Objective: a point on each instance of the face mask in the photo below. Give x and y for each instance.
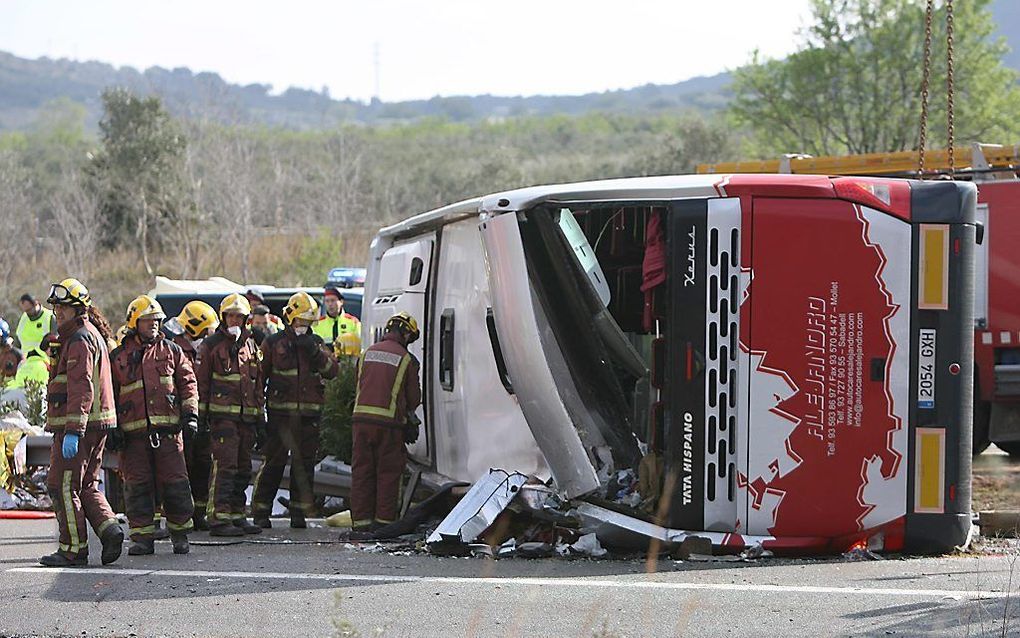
(300, 330)
(234, 331)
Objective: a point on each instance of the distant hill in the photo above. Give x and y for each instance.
(25, 85)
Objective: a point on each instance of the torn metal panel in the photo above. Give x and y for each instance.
(486, 499)
(517, 318)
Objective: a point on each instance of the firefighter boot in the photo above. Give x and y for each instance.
(246, 527)
(226, 530)
(199, 521)
(113, 543)
(162, 533)
(59, 559)
(297, 519)
(262, 521)
(142, 547)
(180, 542)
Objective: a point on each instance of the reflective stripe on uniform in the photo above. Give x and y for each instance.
(183, 527)
(286, 373)
(105, 525)
(226, 377)
(72, 522)
(60, 378)
(148, 529)
(129, 388)
(141, 424)
(225, 409)
(291, 405)
(391, 411)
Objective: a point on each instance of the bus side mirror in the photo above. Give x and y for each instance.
(979, 235)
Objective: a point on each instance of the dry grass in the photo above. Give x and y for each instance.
(996, 483)
(114, 278)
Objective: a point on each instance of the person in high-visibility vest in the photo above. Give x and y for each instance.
(35, 367)
(336, 322)
(35, 323)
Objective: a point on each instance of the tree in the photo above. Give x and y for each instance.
(139, 170)
(854, 86)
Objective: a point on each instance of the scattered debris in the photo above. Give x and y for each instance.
(479, 508)
(588, 546)
(857, 554)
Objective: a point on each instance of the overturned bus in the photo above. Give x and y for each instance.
(783, 360)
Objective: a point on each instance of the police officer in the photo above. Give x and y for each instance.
(295, 364)
(389, 392)
(157, 398)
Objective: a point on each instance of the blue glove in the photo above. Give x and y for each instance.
(70, 447)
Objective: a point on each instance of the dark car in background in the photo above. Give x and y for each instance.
(174, 294)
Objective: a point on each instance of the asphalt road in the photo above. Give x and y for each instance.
(303, 583)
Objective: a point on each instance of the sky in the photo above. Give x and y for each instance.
(437, 47)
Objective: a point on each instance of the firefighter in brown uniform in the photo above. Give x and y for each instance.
(157, 398)
(232, 399)
(388, 393)
(79, 413)
(198, 319)
(295, 363)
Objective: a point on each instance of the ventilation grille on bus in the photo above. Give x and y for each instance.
(722, 334)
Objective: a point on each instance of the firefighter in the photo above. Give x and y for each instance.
(36, 322)
(198, 319)
(257, 300)
(388, 394)
(232, 400)
(336, 322)
(261, 326)
(80, 411)
(157, 398)
(295, 363)
(10, 357)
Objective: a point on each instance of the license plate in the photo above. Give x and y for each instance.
(926, 369)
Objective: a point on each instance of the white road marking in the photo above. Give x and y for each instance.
(582, 582)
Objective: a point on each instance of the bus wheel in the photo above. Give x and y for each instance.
(982, 420)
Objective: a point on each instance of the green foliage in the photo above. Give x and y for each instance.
(854, 86)
(335, 434)
(139, 169)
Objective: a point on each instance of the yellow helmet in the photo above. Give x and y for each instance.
(121, 333)
(143, 307)
(235, 302)
(70, 292)
(347, 345)
(197, 317)
(405, 323)
(301, 306)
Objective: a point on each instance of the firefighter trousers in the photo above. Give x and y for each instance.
(298, 437)
(231, 443)
(198, 456)
(155, 475)
(377, 463)
(73, 485)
